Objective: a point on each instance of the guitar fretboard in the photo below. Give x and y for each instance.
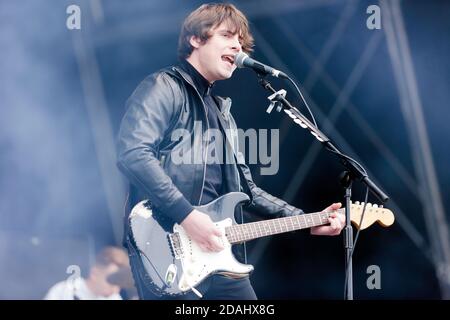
(249, 231)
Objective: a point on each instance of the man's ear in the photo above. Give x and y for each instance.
(195, 42)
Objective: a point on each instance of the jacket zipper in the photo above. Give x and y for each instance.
(205, 156)
(234, 154)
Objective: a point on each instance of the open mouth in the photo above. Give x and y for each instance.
(228, 58)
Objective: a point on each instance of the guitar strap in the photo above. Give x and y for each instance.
(241, 174)
(231, 149)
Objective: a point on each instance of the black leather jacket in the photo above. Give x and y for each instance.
(163, 102)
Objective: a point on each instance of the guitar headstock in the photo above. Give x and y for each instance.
(372, 214)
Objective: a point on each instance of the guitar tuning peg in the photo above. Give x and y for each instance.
(381, 206)
(357, 202)
(375, 205)
(369, 204)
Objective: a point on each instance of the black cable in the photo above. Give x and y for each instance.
(304, 101)
(364, 176)
(315, 124)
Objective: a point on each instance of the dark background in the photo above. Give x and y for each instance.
(62, 96)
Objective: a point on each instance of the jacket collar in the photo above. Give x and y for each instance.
(224, 103)
(203, 86)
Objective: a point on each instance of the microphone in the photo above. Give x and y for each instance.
(242, 60)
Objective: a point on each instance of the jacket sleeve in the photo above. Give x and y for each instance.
(263, 203)
(150, 112)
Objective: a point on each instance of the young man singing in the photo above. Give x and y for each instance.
(178, 97)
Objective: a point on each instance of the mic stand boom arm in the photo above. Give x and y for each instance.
(354, 171)
(358, 173)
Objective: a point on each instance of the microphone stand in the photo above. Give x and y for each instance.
(353, 172)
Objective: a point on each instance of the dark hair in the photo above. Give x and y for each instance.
(209, 16)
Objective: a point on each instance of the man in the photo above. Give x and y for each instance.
(96, 286)
(178, 98)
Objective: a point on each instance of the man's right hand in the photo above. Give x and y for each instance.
(202, 230)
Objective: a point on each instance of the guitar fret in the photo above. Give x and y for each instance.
(270, 228)
(309, 221)
(289, 219)
(294, 223)
(297, 224)
(253, 230)
(304, 224)
(316, 219)
(235, 233)
(244, 233)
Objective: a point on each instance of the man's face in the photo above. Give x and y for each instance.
(215, 57)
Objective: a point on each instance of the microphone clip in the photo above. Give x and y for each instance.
(274, 101)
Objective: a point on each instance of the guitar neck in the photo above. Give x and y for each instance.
(254, 230)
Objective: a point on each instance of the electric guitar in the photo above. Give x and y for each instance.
(175, 264)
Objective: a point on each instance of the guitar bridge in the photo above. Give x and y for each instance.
(175, 245)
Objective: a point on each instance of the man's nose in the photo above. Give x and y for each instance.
(236, 45)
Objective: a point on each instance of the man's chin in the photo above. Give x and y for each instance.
(227, 74)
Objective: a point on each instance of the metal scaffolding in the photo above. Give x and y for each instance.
(412, 110)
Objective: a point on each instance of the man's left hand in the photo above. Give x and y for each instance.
(337, 222)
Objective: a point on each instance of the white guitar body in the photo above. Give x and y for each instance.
(198, 264)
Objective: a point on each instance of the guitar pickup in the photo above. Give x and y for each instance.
(175, 245)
